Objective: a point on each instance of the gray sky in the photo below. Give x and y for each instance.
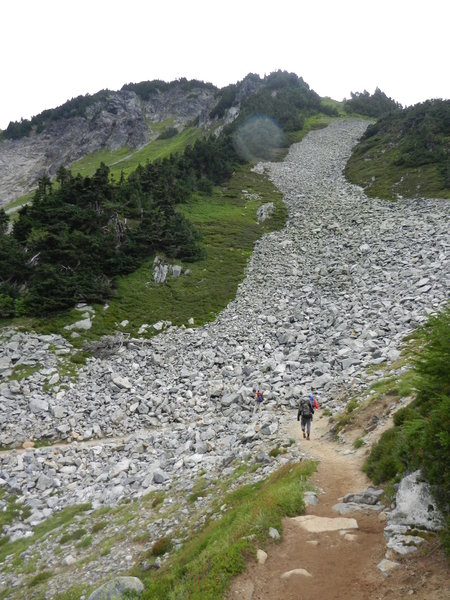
(54, 50)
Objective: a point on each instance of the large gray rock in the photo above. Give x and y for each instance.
(415, 505)
(118, 588)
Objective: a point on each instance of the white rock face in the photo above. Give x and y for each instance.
(415, 509)
(415, 505)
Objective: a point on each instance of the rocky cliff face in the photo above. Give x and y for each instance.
(124, 119)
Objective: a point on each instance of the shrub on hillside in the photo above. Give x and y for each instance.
(169, 132)
(421, 436)
(372, 105)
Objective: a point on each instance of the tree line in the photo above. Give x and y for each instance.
(421, 134)
(79, 233)
(373, 105)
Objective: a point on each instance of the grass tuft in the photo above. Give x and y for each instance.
(203, 568)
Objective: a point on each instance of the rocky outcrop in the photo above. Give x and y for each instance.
(121, 120)
(415, 513)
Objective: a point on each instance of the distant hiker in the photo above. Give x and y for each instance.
(313, 398)
(259, 399)
(305, 411)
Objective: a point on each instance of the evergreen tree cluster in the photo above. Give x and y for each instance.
(284, 97)
(373, 105)
(147, 89)
(81, 232)
(421, 134)
(76, 107)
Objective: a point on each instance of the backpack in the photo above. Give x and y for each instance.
(306, 409)
(259, 397)
(313, 401)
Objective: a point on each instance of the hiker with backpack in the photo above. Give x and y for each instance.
(259, 399)
(313, 398)
(305, 411)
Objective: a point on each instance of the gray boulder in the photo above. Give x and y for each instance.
(117, 588)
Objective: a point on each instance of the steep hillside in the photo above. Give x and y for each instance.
(79, 233)
(406, 153)
(127, 127)
(110, 121)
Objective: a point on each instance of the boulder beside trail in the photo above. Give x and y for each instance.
(117, 588)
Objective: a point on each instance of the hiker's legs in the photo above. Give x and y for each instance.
(308, 426)
(304, 423)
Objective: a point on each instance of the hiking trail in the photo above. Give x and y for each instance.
(333, 565)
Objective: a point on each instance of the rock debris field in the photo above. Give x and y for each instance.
(332, 293)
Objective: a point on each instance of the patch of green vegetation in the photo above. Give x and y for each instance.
(106, 547)
(204, 566)
(157, 498)
(199, 490)
(44, 443)
(90, 162)
(99, 526)
(85, 542)
(14, 205)
(227, 222)
(274, 452)
(358, 443)
(73, 535)
(79, 358)
(326, 412)
(126, 159)
(57, 520)
(21, 372)
(75, 592)
(346, 416)
(375, 368)
(239, 471)
(11, 511)
(335, 105)
(40, 577)
(420, 437)
(405, 154)
(161, 546)
(141, 538)
(311, 123)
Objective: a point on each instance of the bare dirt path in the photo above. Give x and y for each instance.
(342, 565)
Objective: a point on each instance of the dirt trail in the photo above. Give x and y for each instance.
(341, 566)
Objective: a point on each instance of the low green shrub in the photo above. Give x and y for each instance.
(407, 413)
(72, 536)
(161, 546)
(168, 133)
(85, 542)
(383, 463)
(99, 526)
(40, 577)
(421, 436)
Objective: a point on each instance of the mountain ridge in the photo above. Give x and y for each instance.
(124, 119)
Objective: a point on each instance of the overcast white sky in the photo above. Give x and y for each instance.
(54, 50)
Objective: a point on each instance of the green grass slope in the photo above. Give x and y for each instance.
(227, 221)
(127, 159)
(405, 154)
(420, 437)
